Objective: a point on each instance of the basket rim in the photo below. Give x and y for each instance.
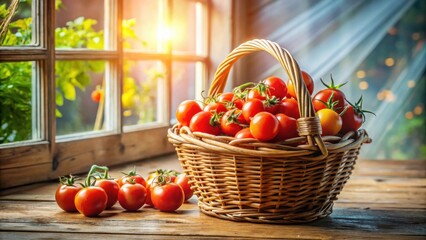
(182, 135)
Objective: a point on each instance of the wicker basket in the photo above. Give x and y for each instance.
(247, 180)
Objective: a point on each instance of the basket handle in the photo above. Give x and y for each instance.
(308, 123)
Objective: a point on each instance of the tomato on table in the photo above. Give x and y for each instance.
(111, 188)
(91, 201)
(153, 179)
(132, 196)
(65, 193)
(167, 196)
(131, 176)
(182, 181)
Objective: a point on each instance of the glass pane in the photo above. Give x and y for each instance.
(144, 24)
(17, 111)
(188, 29)
(183, 84)
(79, 96)
(19, 28)
(79, 24)
(142, 87)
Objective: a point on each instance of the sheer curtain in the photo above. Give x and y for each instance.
(378, 48)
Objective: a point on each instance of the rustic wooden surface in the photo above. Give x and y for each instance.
(382, 200)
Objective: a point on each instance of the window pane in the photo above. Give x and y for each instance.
(147, 18)
(19, 28)
(143, 81)
(79, 96)
(183, 84)
(17, 102)
(188, 31)
(79, 24)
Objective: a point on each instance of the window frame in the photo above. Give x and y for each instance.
(39, 160)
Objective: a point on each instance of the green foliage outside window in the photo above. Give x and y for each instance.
(71, 76)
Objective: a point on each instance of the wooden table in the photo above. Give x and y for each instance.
(382, 200)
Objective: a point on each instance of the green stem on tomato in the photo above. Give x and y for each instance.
(91, 175)
(69, 181)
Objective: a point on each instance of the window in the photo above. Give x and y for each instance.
(84, 82)
(375, 46)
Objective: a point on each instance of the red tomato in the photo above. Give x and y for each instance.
(215, 107)
(351, 120)
(132, 196)
(331, 122)
(148, 200)
(251, 108)
(172, 174)
(205, 122)
(353, 117)
(338, 100)
(96, 95)
(182, 181)
(65, 194)
(132, 177)
(238, 102)
(308, 82)
(186, 110)
(232, 122)
(230, 97)
(256, 94)
(111, 188)
(167, 197)
(277, 87)
(331, 93)
(225, 97)
(264, 126)
(272, 105)
(244, 133)
(289, 107)
(91, 201)
(288, 127)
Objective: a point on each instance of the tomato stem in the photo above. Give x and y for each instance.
(330, 104)
(332, 85)
(357, 106)
(69, 181)
(94, 173)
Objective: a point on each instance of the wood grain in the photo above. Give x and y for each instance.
(391, 208)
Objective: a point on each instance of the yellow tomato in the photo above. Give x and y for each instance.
(331, 122)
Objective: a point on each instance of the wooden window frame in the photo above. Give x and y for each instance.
(40, 160)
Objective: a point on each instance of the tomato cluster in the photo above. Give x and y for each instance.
(268, 111)
(164, 190)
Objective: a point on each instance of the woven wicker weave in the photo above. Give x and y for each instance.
(247, 180)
